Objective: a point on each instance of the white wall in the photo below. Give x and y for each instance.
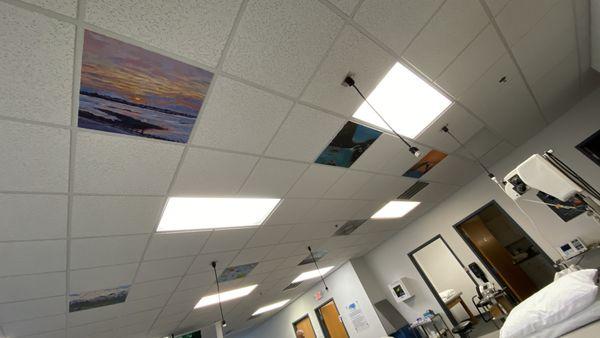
(389, 261)
(344, 287)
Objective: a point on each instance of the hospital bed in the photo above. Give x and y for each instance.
(568, 307)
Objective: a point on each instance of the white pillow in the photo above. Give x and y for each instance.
(556, 302)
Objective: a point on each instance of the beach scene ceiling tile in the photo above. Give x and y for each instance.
(348, 145)
(128, 90)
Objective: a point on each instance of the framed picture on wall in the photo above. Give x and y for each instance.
(590, 147)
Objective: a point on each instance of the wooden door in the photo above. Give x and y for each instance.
(305, 325)
(513, 276)
(332, 321)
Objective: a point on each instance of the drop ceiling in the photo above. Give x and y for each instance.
(80, 208)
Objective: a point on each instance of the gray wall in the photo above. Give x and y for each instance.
(389, 261)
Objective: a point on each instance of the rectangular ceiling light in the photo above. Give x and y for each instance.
(225, 296)
(395, 209)
(197, 213)
(312, 274)
(405, 101)
(271, 307)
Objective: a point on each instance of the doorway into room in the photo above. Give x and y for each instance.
(305, 325)
(507, 251)
(331, 321)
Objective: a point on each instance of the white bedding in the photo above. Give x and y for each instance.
(590, 314)
(557, 304)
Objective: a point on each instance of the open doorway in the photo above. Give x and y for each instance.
(514, 259)
(330, 320)
(452, 286)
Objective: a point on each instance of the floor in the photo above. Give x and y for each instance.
(483, 329)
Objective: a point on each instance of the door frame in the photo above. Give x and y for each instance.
(428, 282)
(483, 260)
(301, 319)
(322, 322)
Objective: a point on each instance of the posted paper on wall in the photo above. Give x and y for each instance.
(357, 316)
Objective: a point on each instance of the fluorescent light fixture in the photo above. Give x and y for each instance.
(405, 101)
(395, 209)
(271, 307)
(225, 296)
(196, 213)
(312, 274)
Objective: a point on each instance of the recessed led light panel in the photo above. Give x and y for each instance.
(406, 102)
(193, 213)
(271, 307)
(395, 209)
(312, 274)
(225, 296)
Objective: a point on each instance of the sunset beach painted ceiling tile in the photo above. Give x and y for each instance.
(128, 90)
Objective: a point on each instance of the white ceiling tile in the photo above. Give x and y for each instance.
(227, 240)
(92, 252)
(19, 258)
(239, 117)
(167, 245)
(267, 266)
(453, 170)
(101, 278)
(30, 217)
(549, 42)
(123, 165)
(381, 187)
(33, 326)
(558, 90)
(500, 104)
(268, 236)
(93, 315)
(66, 7)
(519, 16)
(145, 317)
(352, 52)
(133, 306)
(347, 6)
(396, 23)
(209, 172)
(475, 60)
(283, 250)
(379, 225)
(153, 288)
(251, 255)
(301, 232)
(332, 210)
(196, 281)
(10, 312)
(497, 153)
(278, 44)
(38, 58)
(292, 141)
(272, 178)
(315, 181)
(582, 23)
(348, 184)
(461, 124)
(402, 159)
(53, 334)
(368, 209)
(291, 211)
(496, 5)
(482, 142)
(151, 270)
(291, 262)
(435, 192)
(171, 26)
(381, 152)
(114, 215)
(32, 286)
(202, 262)
(446, 35)
(34, 158)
